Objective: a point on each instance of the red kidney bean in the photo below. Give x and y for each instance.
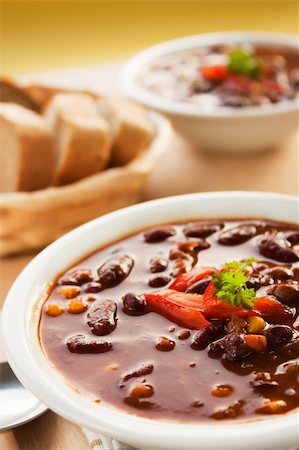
(280, 273)
(199, 86)
(184, 334)
(115, 270)
(258, 266)
(203, 337)
(158, 234)
(235, 101)
(257, 280)
(202, 230)
(194, 246)
(237, 235)
(81, 344)
(292, 237)
(159, 281)
(277, 248)
(102, 317)
(165, 345)
(200, 286)
(134, 305)
(294, 77)
(76, 277)
(296, 273)
(264, 384)
(287, 293)
(230, 412)
(93, 287)
(144, 369)
(158, 264)
(197, 404)
(278, 335)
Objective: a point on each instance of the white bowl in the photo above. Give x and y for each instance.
(21, 313)
(226, 129)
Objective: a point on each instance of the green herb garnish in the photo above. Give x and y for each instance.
(241, 62)
(231, 286)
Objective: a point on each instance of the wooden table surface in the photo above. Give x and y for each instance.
(183, 169)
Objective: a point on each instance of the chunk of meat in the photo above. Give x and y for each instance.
(232, 346)
(236, 324)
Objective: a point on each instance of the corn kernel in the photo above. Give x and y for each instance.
(76, 307)
(142, 391)
(256, 342)
(69, 291)
(273, 407)
(54, 309)
(256, 324)
(112, 367)
(222, 390)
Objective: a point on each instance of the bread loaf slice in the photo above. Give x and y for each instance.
(42, 94)
(11, 92)
(131, 127)
(26, 150)
(82, 137)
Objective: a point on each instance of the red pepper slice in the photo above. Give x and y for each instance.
(272, 86)
(175, 306)
(214, 73)
(264, 306)
(267, 70)
(187, 279)
(212, 306)
(192, 310)
(270, 308)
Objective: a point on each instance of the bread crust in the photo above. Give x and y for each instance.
(11, 92)
(132, 128)
(82, 137)
(26, 150)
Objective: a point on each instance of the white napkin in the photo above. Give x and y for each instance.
(99, 442)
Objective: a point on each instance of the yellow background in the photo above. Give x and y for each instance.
(46, 35)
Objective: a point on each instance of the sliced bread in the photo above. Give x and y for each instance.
(131, 127)
(82, 137)
(11, 92)
(42, 94)
(26, 150)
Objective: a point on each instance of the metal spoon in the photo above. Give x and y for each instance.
(17, 405)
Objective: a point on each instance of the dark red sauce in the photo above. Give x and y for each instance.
(138, 361)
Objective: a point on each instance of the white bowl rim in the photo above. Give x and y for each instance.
(131, 88)
(55, 393)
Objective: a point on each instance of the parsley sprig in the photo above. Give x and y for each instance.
(244, 63)
(230, 284)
